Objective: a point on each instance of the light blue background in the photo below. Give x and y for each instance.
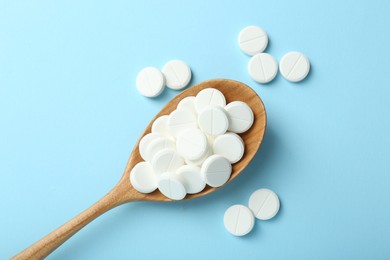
(70, 115)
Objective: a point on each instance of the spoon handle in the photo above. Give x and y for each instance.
(50, 242)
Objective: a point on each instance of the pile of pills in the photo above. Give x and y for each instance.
(193, 146)
(262, 67)
(175, 74)
(263, 204)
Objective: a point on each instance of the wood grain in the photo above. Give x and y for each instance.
(123, 192)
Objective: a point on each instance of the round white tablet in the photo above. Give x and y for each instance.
(171, 186)
(264, 203)
(166, 160)
(294, 66)
(240, 116)
(157, 145)
(144, 144)
(159, 125)
(216, 170)
(229, 145)
(239, 220)
(143, 178)
(209, 97)
(213, 121)
(187, 103)
(252, 40)
(180, 120)
(177, 74)
(262, 68)
(192, 179)
(150, 82)
(191, 144)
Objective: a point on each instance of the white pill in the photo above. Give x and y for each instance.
(240, 116)
(157, 145)
(145, 142)
(167, 160)
(160, 126)
(150, 82)
(209, 97)
(264, 203)
(171, 186)
(180, 120)
(192, 179)
(216, 170)
(177, 74)
(200, 161)
(239, 220)
(191, 144)
(213, 121)
(262, 68)
(294, 66)
(187, 103)
(143, 178)
(229, 145)
(252, 40)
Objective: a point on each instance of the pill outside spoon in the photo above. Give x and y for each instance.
(123, 192)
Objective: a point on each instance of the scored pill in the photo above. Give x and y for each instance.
(240, 116)
(264, 203)
(294, 66)
(252, 40)
(171, 186)
(177, 74)
(166, 160)
(216, 170)
(262, 68)
(150, 82)
(209, 97)
(238, 220)
(213, 121)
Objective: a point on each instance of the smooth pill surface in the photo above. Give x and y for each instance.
(264, 203)
(180, 120)
(209, 97)
(187, 103)
(191, 144)
(229, 145)
(160, 126)
(294, 66)
(252, 40)
(157, 145)
(213, 121)
(143, 178)
(177, 74)
(216, 170)
(192, 179)
(240, 116)
(145, 142)
(167, 160)
(150, 82)
(262, 68)
(171, 185)
(238, 220)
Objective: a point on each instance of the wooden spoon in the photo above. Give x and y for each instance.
(123, 191)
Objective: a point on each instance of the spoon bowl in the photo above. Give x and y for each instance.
(124, 192)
